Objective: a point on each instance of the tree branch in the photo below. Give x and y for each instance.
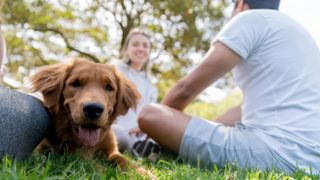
(68, 44)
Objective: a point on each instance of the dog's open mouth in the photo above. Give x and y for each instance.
(88, 135)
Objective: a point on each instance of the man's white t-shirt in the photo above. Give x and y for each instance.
(280, 80)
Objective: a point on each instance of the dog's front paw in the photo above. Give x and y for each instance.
(146, 173)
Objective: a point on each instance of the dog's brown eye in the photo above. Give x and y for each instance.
(75, 83)
(109, 87)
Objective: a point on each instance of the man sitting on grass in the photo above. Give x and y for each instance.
(276, 63)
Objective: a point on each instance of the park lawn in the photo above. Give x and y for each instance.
(168, 167)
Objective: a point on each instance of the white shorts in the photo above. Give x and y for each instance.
(208, 143)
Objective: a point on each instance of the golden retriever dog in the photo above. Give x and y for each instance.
(84, 98)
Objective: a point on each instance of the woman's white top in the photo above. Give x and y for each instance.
(145, 87)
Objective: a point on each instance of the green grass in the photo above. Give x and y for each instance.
(168, 167)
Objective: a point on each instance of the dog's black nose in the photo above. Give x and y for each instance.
(93, 110)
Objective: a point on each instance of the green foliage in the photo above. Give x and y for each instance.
(40, 32)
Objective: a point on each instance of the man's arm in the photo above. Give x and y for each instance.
(218, 61)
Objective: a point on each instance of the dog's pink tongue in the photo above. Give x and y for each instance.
(89, 137)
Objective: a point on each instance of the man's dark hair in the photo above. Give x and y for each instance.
(263, 4)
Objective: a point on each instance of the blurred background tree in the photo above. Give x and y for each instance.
(40, 32)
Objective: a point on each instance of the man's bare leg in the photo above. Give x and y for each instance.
(164, 124)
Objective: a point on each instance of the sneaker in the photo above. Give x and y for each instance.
(147, 148)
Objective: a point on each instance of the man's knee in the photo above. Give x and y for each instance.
(147, 116)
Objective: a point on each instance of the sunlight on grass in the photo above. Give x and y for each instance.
(56, 167)
(73, 167)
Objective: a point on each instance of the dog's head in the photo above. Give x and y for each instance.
(91, 96)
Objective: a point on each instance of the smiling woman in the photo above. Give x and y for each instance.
(135, 58)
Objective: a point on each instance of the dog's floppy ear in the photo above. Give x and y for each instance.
(127, 95)
(50, 82)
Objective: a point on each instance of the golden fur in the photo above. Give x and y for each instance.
(84, 99)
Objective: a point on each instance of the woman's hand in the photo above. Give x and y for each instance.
(136, 131)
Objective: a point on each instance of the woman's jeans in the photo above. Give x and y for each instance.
(23, 123)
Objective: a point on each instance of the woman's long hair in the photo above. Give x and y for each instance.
(123, 54)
